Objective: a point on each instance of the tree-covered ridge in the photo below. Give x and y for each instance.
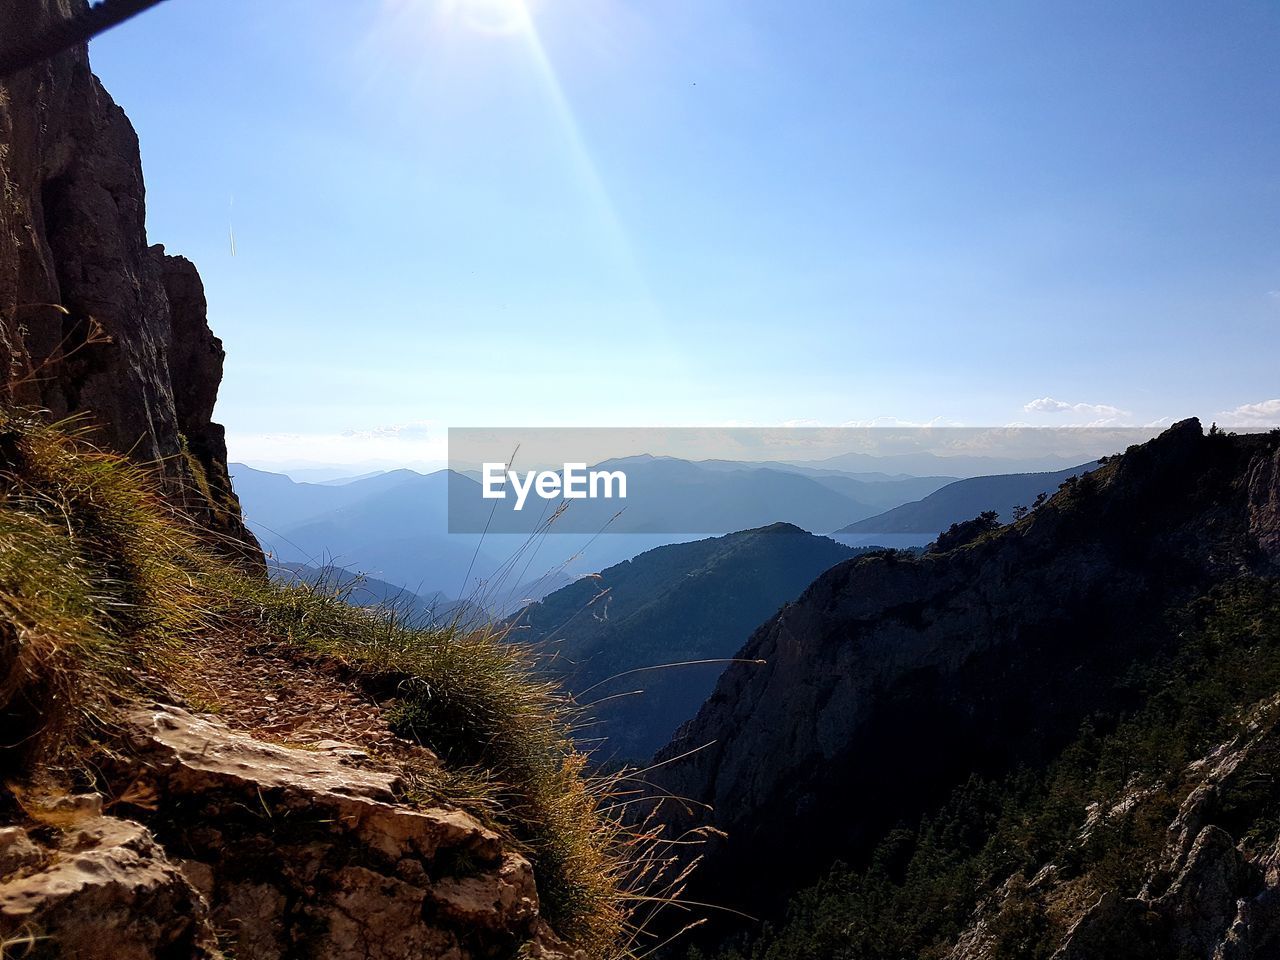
(1006, 867)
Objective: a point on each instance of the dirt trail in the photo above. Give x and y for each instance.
(281, 695)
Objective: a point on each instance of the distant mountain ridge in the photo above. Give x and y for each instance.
(395, 525)
(667, 496)
(965, 499)
(678, 603)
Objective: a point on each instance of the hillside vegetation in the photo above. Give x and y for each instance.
(1006, 866)
(110, 598)
(608, 637)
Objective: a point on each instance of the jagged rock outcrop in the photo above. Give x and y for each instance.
(892, 680)
(93, 320)
(1192, 919)
(1213, 894)
(285, 852)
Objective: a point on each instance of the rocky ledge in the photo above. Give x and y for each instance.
(1214, 892)
(223, 845)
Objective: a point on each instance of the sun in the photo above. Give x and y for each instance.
(489, 16)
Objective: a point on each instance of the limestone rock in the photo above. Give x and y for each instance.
(1264, 505)
(1200, 906)
(299, 852)
(18, 852)
(108, 892)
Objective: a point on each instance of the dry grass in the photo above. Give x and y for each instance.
(20, 945)
(105, 587)
(504, 734)
(97, 576)
(501, 732)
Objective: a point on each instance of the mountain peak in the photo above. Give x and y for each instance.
(780, 527)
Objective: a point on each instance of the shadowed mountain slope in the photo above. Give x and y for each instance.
(688, 601)
(891, 679)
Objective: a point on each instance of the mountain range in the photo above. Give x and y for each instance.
(402, 527)
(396, 526)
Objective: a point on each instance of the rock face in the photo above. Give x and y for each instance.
(93, 320)
(106, 892)
(284, 852)
(1264, 503)
(892, 680)
(1211, 895)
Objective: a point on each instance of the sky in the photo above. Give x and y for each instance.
(418, 214)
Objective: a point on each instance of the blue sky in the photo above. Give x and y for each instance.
(706, 212)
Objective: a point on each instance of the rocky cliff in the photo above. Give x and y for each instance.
(893, 680)
(195, 763)
(94, 321)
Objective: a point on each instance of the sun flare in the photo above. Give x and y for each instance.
(489, 16)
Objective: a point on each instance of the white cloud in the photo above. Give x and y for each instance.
(1262, 414)
(1103, 413)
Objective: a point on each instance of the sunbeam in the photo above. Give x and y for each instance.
(580, 156)
(446, 49)
(488, 16)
